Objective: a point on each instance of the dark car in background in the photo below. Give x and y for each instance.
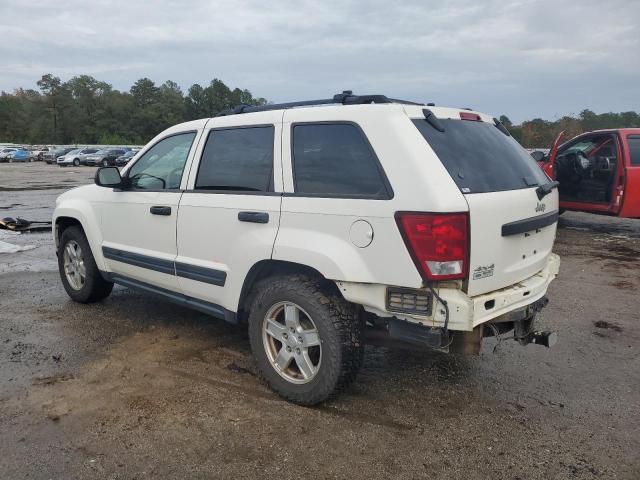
(122, 160)
(105, 157)
(52, 155)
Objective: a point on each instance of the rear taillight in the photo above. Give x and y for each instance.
(437, 242)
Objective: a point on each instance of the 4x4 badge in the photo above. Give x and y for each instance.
(483, 271)
(540, 207)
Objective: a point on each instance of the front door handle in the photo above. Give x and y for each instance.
(160, 210)
(255, 217)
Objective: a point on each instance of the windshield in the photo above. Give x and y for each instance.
(480, 158)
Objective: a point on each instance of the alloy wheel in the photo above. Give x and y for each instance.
(292, 342)
(74, 267)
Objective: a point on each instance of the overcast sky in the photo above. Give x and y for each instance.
(523, 58)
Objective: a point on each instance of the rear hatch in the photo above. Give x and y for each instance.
(511, 230)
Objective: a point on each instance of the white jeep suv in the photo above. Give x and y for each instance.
(325, 225)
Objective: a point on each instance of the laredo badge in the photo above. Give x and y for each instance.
(483, 272)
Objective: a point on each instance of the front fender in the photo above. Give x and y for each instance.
(82, 204)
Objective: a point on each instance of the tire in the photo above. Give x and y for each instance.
(76, 162)
(105, 163)
(338, 327)
(94, 287)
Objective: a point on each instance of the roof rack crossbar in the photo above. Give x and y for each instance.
(345, 98)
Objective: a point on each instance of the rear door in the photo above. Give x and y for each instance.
(511, 230)
(230, 212)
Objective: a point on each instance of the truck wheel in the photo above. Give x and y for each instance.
(305, 339)
(80, 275)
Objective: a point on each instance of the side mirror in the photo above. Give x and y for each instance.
(108, 177)
(538, 156)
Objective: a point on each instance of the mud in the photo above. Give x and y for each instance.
(134, 387)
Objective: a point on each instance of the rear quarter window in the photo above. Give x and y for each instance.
(480, 158)
(336, 160)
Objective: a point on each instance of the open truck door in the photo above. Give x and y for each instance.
(548, 166)
(591, 171)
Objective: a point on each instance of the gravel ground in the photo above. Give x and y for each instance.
(134, 387)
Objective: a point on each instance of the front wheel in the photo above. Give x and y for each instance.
(78, 270)
(306, 339)
(105, 163)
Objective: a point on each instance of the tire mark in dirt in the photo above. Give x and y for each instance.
(267, 395)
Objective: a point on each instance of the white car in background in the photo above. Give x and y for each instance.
(75, 157)
(6, 154)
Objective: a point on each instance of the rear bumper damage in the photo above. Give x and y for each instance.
(469, 318)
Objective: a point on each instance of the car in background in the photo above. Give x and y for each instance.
(52, 155)
(5, 154)
(21, 155)
(122, 160)
(105, 157)
(598, 172)
(75, 157)
(38, 153)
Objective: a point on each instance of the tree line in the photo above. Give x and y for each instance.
(84, 110)
(539, 133)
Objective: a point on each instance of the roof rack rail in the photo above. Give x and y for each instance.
(345, 98)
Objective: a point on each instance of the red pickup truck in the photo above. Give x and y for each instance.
(598, 172)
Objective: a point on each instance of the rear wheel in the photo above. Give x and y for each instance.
(80, 276)
(305, 338)
(76, 162)
(105, 163)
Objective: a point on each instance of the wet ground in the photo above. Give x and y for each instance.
(135, 387)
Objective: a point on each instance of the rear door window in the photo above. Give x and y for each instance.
(239, 159)
(634, 150)
(480, 158)
(336, 160)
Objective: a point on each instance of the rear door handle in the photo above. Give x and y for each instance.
(160, 210)
(254, 217)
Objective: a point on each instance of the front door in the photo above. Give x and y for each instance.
(590, 171)
(230, 212)
(139, 222)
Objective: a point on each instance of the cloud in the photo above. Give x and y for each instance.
(524, 58)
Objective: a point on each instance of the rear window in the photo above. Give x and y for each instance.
(480, 158)
(335, 160)
(634, 149)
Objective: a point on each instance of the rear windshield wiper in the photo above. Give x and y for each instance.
(544, 190)
(432, 120)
